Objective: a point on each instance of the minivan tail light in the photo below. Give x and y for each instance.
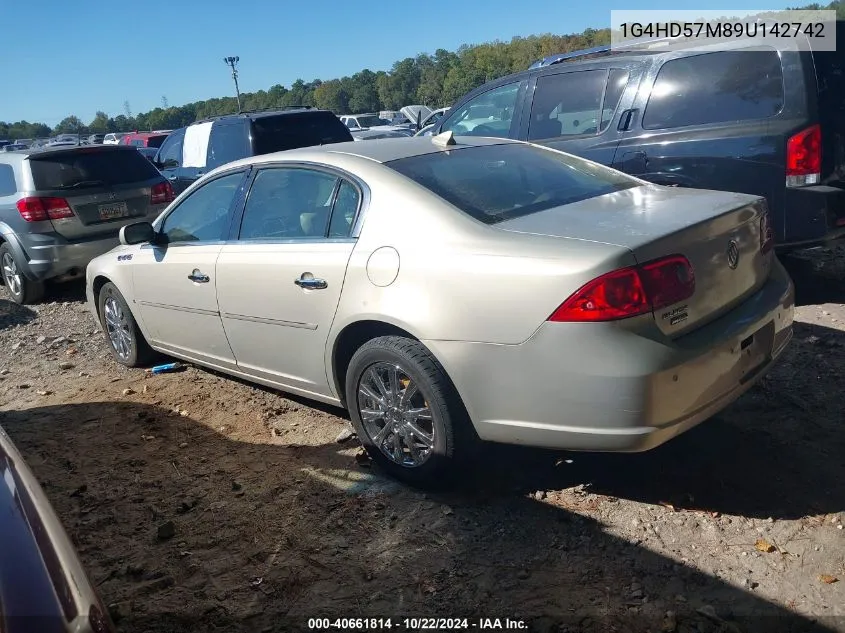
(37, 209)
(804, 157)
(631, 291)
(162, 193)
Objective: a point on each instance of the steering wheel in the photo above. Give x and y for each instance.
(483, 130)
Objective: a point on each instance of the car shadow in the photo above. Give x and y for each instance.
(12, 314)
(265, 536)
(819, 275)
(775, 452)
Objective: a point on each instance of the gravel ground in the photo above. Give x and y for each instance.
(199, 502)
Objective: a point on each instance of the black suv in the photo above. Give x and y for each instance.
(755, 121)
(191, 151)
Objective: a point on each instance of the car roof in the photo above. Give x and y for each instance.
(379, 150)
(260, 114)
(23, 154)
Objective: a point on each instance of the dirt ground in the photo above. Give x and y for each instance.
(201, 503)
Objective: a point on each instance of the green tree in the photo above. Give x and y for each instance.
(330, 95)
(70, 125)
(100, 123)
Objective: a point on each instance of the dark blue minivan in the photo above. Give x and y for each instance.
(732, 117)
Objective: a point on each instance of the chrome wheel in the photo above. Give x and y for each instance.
(117, 327)
(11, 274)
(395, 414)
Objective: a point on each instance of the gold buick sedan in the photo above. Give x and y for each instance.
(454, 289)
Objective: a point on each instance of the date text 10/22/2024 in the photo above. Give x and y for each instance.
(414, 624)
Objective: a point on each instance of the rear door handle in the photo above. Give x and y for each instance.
(199, 277)
(309, 281)
(171, 178)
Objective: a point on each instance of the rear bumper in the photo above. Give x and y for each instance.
(813, 216)
(44, 256)
(601, 387)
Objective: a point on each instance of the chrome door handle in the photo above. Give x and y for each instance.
(310, 282)
(171, 178)
(199, 277)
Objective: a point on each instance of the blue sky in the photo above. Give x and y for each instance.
(95, 54)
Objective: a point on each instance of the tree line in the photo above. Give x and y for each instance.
(436, 80)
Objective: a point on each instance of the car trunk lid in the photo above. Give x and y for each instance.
(718, 232)
(105, 186)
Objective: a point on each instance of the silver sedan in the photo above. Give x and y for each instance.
(448, 289)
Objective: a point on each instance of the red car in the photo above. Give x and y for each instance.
(145, 139)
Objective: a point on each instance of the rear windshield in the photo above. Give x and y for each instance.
(87, 169)
(494, 183)
(156, 141)
(289, 131)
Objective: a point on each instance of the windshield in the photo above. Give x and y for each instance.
(494, 183)
(88, 169)
(371, 121)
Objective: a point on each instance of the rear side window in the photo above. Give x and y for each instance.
(289, 131)
(87, 169)
(170, 154)
(715, 88)
(7, 180)
(570, 104)
(228, 142)
(494, 183)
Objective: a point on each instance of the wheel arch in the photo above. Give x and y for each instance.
(351, 337)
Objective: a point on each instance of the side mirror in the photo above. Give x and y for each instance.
(136, 233)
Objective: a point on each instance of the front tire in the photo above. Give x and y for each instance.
(22, 290)
(406, 411)
(126, 342)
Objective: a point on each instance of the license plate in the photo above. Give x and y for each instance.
(756, 350)
(113, 211)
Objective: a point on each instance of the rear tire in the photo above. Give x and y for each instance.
(406, 412)
(126, 342)
(22, 290)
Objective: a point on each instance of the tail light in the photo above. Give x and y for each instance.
(630, 291)
(162, 193)
(767, 233)
(804, 157)
(40, 209)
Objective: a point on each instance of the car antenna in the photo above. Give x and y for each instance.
(445, 139)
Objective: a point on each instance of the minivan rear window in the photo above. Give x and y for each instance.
(715, 88)
(289, 131)
(494, 183)
(89, 169)
(156, 141)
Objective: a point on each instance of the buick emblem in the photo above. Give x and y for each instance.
(112, 195)
(733, 255)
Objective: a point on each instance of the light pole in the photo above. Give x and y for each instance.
(232, 62)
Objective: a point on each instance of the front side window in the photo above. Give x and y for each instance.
(567, 104)
(488, 114)
(288, 203)
(204, 215)
(494, 183)
(715, 88)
